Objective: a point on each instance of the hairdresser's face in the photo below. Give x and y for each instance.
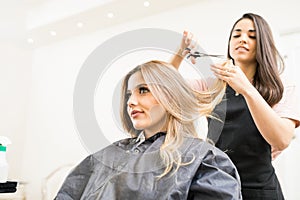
(144, 110)
(243, 42)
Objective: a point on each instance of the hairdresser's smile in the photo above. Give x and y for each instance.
(242, 48)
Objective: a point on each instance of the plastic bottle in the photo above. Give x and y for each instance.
(4, 141)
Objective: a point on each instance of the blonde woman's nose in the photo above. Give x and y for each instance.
(132, 100)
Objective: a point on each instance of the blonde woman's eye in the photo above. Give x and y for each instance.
(128, 94)
(143, 90)
(236, 36)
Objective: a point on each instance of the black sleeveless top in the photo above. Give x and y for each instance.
(236, 133)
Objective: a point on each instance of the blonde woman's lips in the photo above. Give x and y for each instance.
(135, 113)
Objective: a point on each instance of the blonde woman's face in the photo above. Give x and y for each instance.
(243, 42)
(144, 110)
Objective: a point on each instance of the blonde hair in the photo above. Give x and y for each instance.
(182, 104)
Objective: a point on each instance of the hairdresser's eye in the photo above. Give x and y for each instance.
(143, 90)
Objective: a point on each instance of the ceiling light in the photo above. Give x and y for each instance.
(110, 15)
(79, 24)
(146, 3)
(53, 33)
(30, 40)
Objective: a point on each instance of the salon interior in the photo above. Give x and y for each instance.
(45, 50)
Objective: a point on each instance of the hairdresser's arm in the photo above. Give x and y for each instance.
(186, 42)
(277, 131)
(177, 59)
(275, 153)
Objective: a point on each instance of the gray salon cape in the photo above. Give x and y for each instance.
(128, 169)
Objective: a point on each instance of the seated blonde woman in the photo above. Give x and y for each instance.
(163, 158)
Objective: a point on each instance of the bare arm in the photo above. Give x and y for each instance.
(177, 59)
(277, 131)
(186, 42)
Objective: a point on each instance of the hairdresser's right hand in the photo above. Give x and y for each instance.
(233, 76)
(188, 42)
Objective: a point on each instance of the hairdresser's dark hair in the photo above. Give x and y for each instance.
(269, 62)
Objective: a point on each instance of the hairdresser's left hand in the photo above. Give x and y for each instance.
(232, 75)
(190, 42)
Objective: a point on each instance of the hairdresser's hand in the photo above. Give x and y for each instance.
(232, 75)
(188, 44)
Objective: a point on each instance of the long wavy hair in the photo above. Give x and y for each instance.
(269, 62)
(182, 104)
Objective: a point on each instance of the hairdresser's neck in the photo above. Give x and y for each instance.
(249, 68)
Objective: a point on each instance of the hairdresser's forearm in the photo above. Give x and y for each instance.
(277, 131)
(177, 59)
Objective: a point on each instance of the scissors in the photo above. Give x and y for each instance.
(197, 54)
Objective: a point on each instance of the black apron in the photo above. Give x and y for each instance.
(237, 135)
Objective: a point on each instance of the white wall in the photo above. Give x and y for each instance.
(288, 163)
(15, 71)
(48, 134)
